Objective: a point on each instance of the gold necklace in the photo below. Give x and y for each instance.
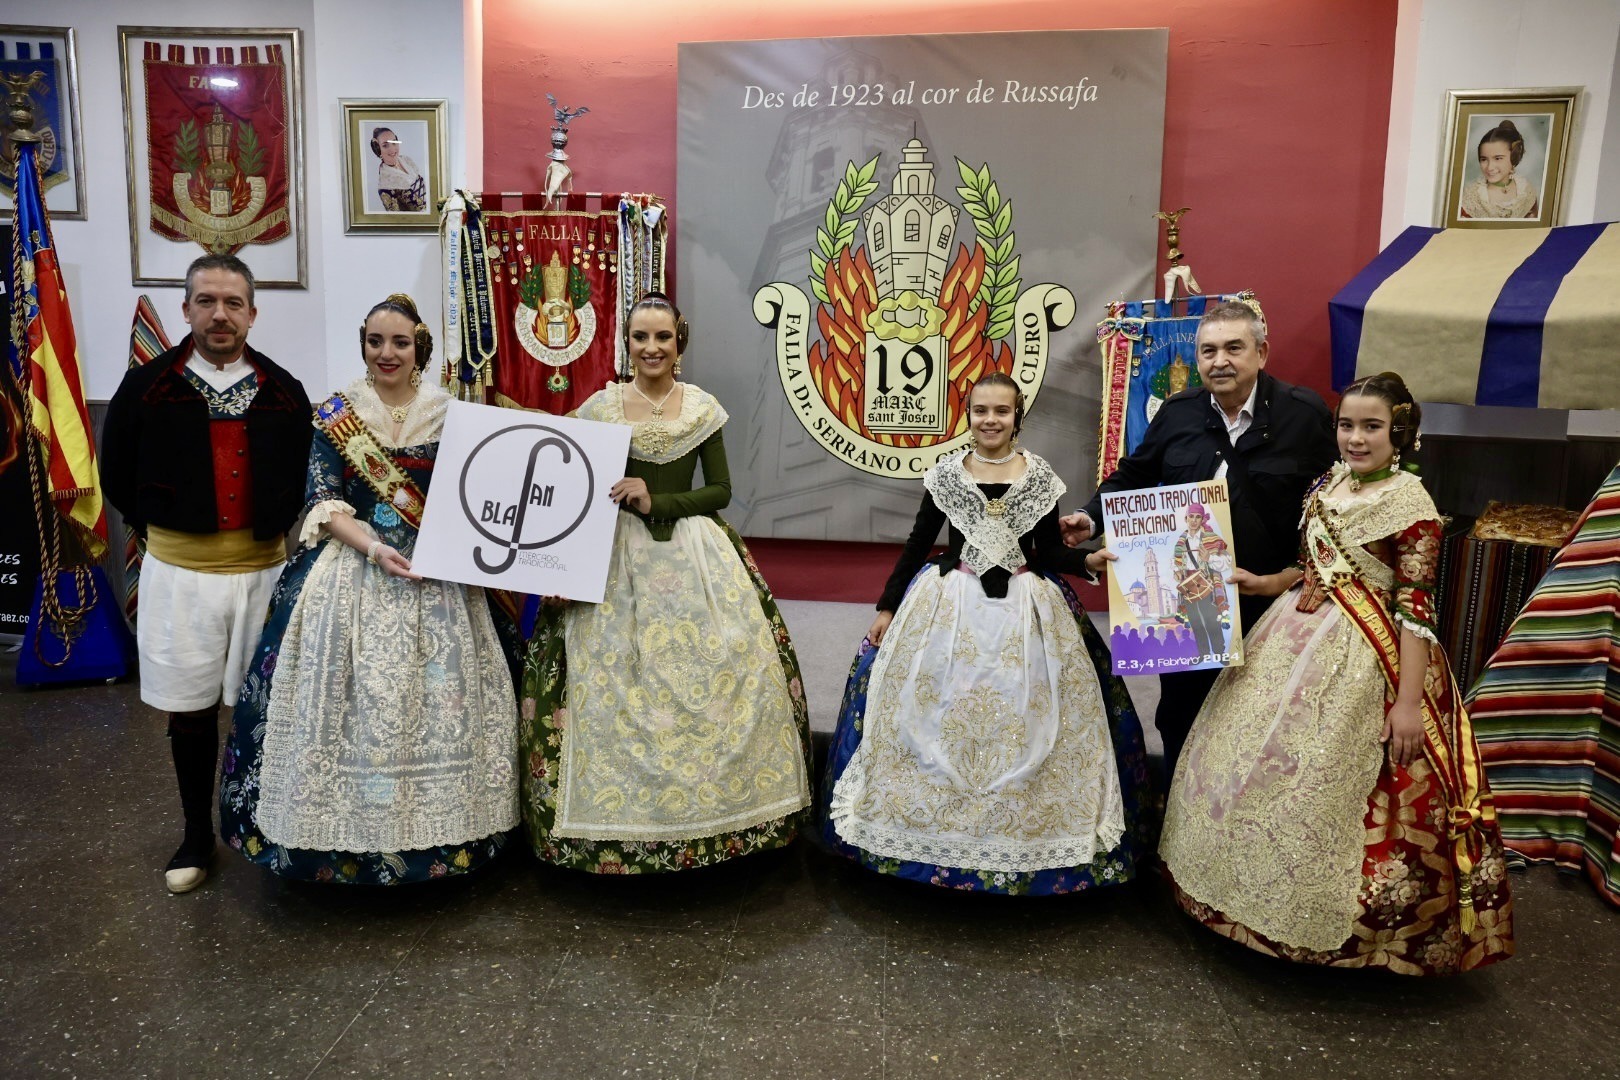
(397, 412)
(657, 406)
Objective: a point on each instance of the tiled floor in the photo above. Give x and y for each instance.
(791, 964)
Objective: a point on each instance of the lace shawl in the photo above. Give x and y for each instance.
(424, 421)
(1363, 518)
(660, 442)
(989, 539)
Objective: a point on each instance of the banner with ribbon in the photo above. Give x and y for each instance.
(1149, 351)
(535, 297)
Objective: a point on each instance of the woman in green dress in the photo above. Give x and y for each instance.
(665, 727)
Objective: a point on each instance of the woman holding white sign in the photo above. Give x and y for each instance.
(983, 743)
(665, 728)
(1329, 807)
(375, 739)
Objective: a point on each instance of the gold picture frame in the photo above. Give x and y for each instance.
(56, 117)
(1490, 180)
(396, 163)
(178, 208)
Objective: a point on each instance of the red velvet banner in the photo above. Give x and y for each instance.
(218, 146)
(554, 288)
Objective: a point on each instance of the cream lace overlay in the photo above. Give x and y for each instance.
(392, 722)
(660, 441)
(1265, 815)
(992, 539)
(985, 743)
(679, 723)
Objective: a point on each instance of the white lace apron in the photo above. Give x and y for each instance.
(985, 743)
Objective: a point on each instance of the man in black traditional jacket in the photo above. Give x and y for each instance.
(204, 452)
(1267, 438)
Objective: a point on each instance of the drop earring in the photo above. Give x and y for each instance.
(677, 368)
(371, 379)
(416, 377)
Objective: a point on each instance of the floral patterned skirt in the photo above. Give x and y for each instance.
(240, 778)
(1272, 837)
(638, 677)
(1129, 762)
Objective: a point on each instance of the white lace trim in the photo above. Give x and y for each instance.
(989, 540)
(424, 417)
(1424, 632)
(391, 723)
(319, 514)
(660, 442)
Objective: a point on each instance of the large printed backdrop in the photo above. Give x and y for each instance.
(868, 225)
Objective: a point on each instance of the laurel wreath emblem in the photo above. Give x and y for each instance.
(837, 230)
(992, 220)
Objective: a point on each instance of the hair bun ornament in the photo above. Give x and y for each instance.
(403, 300)
(1393, 376)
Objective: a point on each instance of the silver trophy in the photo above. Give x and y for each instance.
(558, 174)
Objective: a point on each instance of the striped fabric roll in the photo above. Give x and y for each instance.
(1521, 317)
(1482, 585)
(146, 341)
(1547, 707)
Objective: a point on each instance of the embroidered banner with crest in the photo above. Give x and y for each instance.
(1149, 351)
(41, 74)
(218, 144)
(553, 284)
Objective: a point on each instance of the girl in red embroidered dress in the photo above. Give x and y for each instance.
(1330, 807)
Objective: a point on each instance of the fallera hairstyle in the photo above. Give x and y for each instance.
(657, 301)
(1405, 414)
(997, 378)
(404, 305)
(215, 261)
(1238, 311)
(376, 146)
(1505, 132)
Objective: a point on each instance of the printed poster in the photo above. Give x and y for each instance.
(1170, 607)
(520, 502)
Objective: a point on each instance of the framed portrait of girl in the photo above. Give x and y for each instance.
(1506, 153)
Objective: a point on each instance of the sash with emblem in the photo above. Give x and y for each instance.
(1449, 746)
(218, 144)
(336, 417)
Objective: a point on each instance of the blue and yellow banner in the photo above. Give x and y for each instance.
(1522, 317)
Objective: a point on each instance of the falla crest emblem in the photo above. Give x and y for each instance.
(908, 315)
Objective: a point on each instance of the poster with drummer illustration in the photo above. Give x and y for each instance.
(1170, 607)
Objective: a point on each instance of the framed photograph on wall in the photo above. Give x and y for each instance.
(396, 164)
(42, 62)
(214, 150)
(1506, 154)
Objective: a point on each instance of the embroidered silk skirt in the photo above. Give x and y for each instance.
(665, 728)
(986, 747)
(1288, 832)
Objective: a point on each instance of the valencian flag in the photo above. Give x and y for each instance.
(146, 341)
(71, 634)
(218, 142)
(1522, 317)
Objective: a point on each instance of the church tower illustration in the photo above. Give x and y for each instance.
(908, 233)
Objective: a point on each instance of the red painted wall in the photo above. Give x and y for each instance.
(1275, 130)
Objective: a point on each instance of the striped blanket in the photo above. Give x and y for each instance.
(1522, 317)
(1546, 708)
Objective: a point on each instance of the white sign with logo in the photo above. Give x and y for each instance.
(519, 501)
